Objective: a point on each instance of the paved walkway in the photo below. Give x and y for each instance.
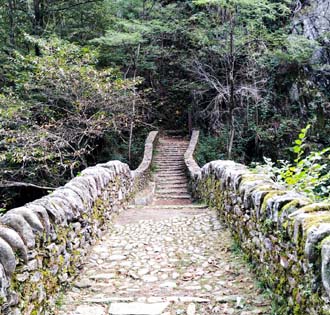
(170, 258)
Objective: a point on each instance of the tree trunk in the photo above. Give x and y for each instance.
(232, 104)
(11, 23)
(133, 107)
(190, 123)
(38, 22)
(231, 136)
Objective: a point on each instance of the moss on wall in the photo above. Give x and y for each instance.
(273, 235)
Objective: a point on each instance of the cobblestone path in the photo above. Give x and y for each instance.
(172, 257)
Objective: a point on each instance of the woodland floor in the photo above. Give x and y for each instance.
(171, 257)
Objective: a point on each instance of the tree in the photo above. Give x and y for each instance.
(58, 111)
(240, 36)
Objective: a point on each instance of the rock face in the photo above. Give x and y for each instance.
(312, 18)
(283, 233)
(43, 244)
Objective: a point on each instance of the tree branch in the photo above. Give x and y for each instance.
(8, 184)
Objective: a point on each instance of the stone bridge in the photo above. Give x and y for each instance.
(116, 241)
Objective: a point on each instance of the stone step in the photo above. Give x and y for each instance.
(169, 147)
(169, 179)
(173, 202)
(170, 153)
(177, 173)
(170, 157)
(169, 167)
(172, 168)
(172, 145)
(171, 175)
(171, 191)
(173, 196)
(189, 206)
(180, 172)
(172, 180)
(176, 141)
(170, 172)
(170, 163)
(169, 160)
(172, 186)
(171, 150)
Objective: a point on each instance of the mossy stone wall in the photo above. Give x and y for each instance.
(285, 236)
(43, 244)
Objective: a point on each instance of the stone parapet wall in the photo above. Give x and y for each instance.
(193, 168)
(43, 244)
(284, 235)
(142, 173)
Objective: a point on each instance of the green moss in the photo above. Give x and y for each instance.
(270, 195)
(294, 297)
(265, 188)
(318, 218)
(51, 282)
(322, 206)
(325, 240)
(250, 177)
(292, 205)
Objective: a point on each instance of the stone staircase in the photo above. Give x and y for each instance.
(170, 177)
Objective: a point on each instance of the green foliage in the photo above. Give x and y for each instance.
(210, 149)
(296, 48)
(308, 174)
(233, 67)
(57, 110)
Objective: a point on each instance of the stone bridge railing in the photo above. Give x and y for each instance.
(43, 244)
(284, 234)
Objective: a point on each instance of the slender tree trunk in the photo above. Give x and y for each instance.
(232, 104)
(133, 107)
(231, 136)
(131, 130)
(190, 123)
(11, 23)
(38, 22)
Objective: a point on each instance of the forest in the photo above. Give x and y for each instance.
(84, 81)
